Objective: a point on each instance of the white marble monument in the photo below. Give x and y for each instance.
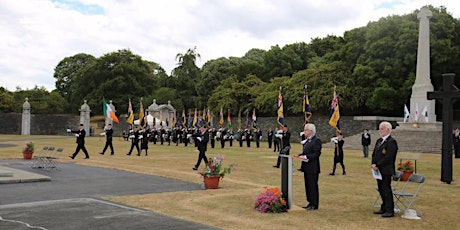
(422, 110)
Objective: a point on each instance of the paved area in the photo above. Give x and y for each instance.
(71, 199)
(12, 175)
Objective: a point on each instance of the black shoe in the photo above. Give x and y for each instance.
(388, 214)
(139, 155)
(344, 173)
(332, 174)
(72, 157)
(195, 168)
(112, 153)
(300, 170)
(86, 158)
(379, 212)
(129, 154)
(306, 207)
(276, 166)
(312, 208)
(101, 153)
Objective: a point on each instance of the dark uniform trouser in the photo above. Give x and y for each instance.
(386, 193)
(311, 188)
(137, 147)
(77, 150)
(202, 155)
(107, 144)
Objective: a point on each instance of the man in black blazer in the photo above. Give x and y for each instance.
(135, 136)
(202, 138)
(108, 139)
(383, 160)
(310, 165)
(285, 137)
(80, 134)
(366, 141)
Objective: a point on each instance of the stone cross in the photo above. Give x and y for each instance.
(446, 97)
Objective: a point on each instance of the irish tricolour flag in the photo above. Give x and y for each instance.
(108, 112)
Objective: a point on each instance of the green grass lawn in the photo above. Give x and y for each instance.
(345, 201)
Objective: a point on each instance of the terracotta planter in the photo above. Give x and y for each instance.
(211, 182)
(27, 156)
(406, 174)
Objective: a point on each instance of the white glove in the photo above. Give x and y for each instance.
(304, 141)
(77, 135)
(198, 138)
(280, 131)
(140, 137)
(102, 134)
(334, 139)
(302, 133)
(189, 135)
(68, 130)
(278, 135)
(131, 136)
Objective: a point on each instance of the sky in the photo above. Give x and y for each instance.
(37, 34)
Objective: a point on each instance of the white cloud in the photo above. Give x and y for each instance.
(37, 34)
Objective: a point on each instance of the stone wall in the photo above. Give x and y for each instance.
(349, 126)
(41, 124)
(10, 123)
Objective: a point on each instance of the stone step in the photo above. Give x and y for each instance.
(408, 141)
(5, 173)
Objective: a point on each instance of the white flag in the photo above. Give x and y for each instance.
(406, 113)
(416, 112)
(425, 113)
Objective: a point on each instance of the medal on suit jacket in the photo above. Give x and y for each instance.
(384, 150)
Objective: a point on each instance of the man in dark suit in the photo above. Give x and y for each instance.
(202, 138)
(247, 137)
(338, 154)
(135, 136)
(285, 137)
(456, 141)
(108, 139)
(270, 138)
(310, 165)
(80, 134)
(383, 160)
(366, 141)
(257, 136)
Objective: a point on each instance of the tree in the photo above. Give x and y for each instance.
(66, 71)
(115, 76)
(41, 101)
(6, 101)
(187, 73)
(236, 95)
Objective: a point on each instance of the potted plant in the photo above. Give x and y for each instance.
(407, 168)
(28, 150)
(214, 171)
(270, 201)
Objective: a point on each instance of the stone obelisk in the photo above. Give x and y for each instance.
(25, 125)
(422, 83)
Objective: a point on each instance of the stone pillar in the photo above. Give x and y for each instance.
(422, 83)
(25, 125)
(108, 120)
(84, 116)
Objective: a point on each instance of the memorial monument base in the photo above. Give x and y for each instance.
(430, 126)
